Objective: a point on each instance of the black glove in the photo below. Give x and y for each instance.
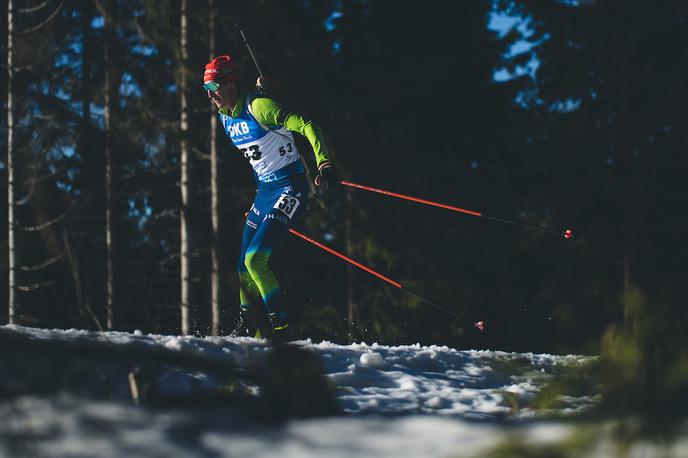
(327, 180)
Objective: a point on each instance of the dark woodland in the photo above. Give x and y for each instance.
(584, 130)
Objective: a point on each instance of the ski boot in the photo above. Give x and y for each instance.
(280, 327)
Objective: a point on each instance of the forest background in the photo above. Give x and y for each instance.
(564, 114)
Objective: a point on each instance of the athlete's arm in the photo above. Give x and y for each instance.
(268, 112)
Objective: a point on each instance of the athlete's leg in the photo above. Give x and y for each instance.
(269, 236)
(250, 301)
(247, 287)
(257, 260)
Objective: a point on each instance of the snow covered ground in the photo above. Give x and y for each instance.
(410, 401)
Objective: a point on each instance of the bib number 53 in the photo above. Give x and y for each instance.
(287, 204)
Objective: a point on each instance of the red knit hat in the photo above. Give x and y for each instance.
(219, 69)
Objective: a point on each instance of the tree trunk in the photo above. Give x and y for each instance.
(214, 198)
(109, 96)
(184, 179)
(86, 143)
(10, 162)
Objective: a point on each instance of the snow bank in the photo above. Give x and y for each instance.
(408, 400)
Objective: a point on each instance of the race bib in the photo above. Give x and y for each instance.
(287, 204)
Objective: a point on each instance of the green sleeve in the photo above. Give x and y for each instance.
(268, 112)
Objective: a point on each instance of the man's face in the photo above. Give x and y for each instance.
(226, 94)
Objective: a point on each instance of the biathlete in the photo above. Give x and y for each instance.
(262, 130)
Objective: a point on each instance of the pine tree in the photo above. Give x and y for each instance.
(10, 164)
(214, 195)
(184, 181)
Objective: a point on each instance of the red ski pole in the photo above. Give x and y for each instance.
(567, 233)
(480, 324)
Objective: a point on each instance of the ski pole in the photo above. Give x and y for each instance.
(566, 233)
(263, 81)
(479, 325)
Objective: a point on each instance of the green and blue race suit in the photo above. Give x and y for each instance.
(262, 130)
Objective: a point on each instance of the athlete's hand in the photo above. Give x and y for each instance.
(327, 180)
(267, 85)
(262, 83)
